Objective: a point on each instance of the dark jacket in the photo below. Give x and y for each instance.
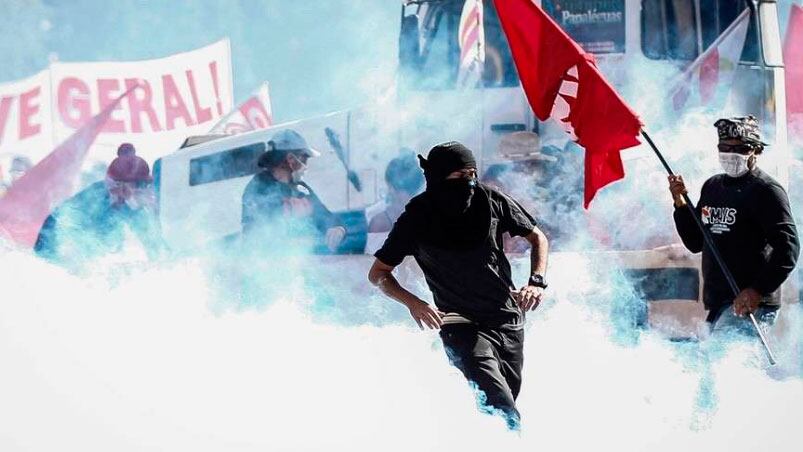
(751, 224)
(284, 215)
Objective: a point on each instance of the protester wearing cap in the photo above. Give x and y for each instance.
(748, 217)
(454, 231)
(279, 208)
(98, 220)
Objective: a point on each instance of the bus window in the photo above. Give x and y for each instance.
(717, 15)
(499, 70)
(669, 29)
(429, 51)
(224, 165)
(440, 51)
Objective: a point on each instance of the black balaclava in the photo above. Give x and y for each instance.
(444, 159)
(451, 196)
(456, 221)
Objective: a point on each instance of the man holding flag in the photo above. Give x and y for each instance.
(561, 81)
(747, 214)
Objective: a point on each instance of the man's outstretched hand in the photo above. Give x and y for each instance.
(425, 315)
(528, 297)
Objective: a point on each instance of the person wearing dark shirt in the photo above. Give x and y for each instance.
(747, 214)
(280, 209)
(454, 231)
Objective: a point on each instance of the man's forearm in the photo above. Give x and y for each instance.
(538, 254)
(390, 286)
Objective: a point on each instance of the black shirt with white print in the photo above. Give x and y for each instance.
(751, 224)
(473, 282)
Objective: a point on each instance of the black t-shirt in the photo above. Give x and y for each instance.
(474, 282)
(751, 224)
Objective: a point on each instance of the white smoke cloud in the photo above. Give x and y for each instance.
(145, 362)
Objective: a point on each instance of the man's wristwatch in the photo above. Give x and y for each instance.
(537, 281)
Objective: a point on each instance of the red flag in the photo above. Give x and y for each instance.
(562, 81)
(28, 202)
(253, 114)
(793, 60)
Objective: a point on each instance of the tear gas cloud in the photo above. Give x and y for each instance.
(206, 352)
(145, 358)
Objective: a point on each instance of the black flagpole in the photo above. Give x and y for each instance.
(714, 252)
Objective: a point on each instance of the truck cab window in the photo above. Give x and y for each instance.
(229, 164)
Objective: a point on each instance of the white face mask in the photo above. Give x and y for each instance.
(297, 174)
(733, 164)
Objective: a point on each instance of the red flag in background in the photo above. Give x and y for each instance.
(28, 202)
(253, 114)
(561, 81)
(793, 60)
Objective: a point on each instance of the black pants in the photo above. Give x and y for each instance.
(491, 359)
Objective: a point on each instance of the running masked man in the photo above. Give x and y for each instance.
(454, 231)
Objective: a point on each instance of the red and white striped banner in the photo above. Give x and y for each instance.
(471, 37)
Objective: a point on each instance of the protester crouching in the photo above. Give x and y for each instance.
(100, 219)
(747, 214)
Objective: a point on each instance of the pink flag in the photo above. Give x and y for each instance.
(793, 60)
(707, 80)
(255, 113)
(28, 202)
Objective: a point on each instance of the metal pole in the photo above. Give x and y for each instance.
(714, 252)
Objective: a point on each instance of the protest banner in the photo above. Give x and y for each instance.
(179, 95)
